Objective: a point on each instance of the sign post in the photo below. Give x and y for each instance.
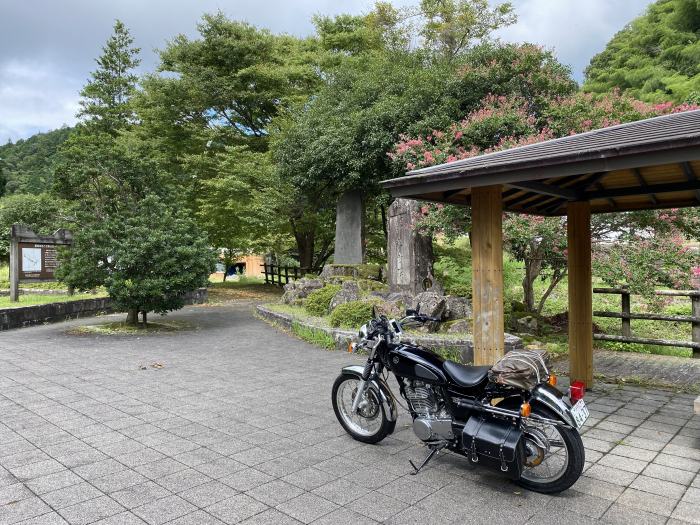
(34, 258)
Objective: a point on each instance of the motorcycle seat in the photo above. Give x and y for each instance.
(466, 376)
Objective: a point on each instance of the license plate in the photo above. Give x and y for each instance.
(580, 413)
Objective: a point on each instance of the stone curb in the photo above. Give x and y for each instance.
(24, 316)
(343, 337)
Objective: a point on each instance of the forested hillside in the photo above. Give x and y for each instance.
(26, 166)
(655, 58)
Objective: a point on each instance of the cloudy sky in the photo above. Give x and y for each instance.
(47, 47)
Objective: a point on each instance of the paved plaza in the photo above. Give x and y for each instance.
(232, 422)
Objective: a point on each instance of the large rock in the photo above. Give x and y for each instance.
(350, 291)
(337, 273)
(459, 326)
(295, 291)
(527, 324)
(431, 304)
(458, 307)
(394, 304)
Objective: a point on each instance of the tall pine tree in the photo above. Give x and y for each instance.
(131, 234)
(105, 103)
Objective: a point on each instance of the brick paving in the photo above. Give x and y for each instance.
(237, 427)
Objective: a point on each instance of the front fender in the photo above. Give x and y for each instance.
(379, 387)
(554, 400)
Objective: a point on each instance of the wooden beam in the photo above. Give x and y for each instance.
(547, 189)
(690, 175)
(450, 193)
(546, 205)
(580, 292)
(487, 274)
(603, 193)
(643, 184)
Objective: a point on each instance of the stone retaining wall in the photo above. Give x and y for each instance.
(343, 337)
(24, 316)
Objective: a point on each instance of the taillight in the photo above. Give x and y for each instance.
(577, 390)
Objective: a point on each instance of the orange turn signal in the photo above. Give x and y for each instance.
(552, 380)
(525, 409)
(351, 347)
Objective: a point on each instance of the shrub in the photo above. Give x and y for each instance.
(351, 315)
(453, 267)
(318, 301)
(314, 336)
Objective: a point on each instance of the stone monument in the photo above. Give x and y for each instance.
(349, 229)
(410, 254)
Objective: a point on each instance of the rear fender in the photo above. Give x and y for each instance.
(551, 398)
(379, 387)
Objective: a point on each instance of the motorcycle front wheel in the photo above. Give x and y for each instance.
(554, 456)
(370, 423)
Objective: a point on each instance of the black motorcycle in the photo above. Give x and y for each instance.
(525, 429)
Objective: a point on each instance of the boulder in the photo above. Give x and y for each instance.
(457, 307)
(394, 304)
(430, 303)
(527, 324)
(349, 291)
(295, 291)
(355, 271)
(459, 326)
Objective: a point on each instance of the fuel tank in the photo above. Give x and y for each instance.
(413, 362)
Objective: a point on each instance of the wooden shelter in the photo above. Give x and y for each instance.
(648, 164)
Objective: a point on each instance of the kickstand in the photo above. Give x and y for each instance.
(434, 450)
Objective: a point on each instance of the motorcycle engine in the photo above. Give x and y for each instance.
(432, 422)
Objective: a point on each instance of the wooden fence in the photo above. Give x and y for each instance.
(281, 275)
(626, 316)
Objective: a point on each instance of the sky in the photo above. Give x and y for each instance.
(48, 47)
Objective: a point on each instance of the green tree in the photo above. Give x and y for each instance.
(207, 123)
(655, 58)
(27, 165)
(43, 214)
(132, 235)
(105, 97)
(147, 256)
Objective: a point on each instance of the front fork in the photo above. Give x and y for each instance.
(364, 383)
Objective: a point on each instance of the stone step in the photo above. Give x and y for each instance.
(697, 405)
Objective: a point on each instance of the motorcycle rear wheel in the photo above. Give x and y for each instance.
(370, 424)
(568, 473)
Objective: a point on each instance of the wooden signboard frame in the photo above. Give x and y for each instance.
(34, 258)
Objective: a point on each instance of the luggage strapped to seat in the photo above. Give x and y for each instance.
(522, 369)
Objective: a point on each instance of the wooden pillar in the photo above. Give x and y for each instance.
(696, 326)
(580, 293)
(14, 267)
(487, 274)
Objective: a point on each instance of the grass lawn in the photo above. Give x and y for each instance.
(5, 282)
(121, 328)
(247, 288)
(35, 299)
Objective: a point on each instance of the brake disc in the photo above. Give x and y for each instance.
(367, 408)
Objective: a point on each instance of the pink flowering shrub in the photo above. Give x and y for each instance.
(655, 255)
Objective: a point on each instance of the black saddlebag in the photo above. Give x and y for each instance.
(494, 443)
